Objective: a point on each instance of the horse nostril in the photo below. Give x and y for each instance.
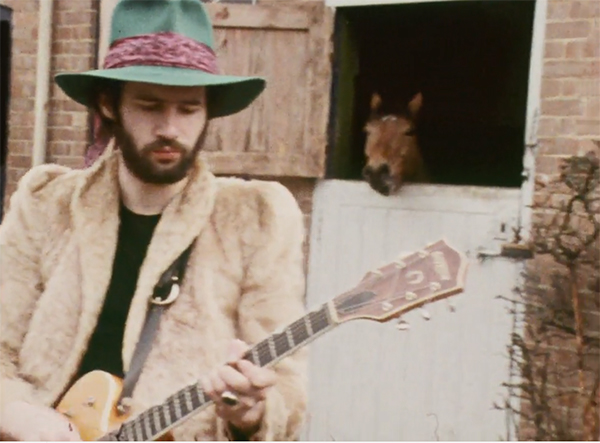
(384, 169)
(367, 171)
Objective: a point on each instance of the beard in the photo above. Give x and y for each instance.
(140, 162)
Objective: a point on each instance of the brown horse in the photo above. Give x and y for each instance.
(392, 150)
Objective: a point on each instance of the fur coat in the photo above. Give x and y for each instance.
(244, 279)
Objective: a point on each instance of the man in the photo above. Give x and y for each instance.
(82, 250)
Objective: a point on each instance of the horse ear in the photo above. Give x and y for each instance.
(414, 106)
(375, 103)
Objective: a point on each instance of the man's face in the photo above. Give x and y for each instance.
(160, 130)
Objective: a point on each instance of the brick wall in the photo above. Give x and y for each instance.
(570, 107)
(569, 123)
(74, 31)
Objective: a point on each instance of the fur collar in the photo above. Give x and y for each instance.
(95, 215)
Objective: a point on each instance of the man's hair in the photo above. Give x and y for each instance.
(113, 90)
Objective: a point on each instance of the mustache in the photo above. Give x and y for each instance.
(163, 143)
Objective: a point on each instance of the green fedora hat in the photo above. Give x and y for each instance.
(165, 42)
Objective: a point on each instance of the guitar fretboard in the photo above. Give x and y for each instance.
(156, 421)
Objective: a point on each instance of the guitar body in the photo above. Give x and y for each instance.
(90, 404)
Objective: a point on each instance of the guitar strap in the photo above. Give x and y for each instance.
(165, 292)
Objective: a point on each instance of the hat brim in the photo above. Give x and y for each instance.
(227, 94)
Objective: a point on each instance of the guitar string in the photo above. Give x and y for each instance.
(262, 350)
(317, 316)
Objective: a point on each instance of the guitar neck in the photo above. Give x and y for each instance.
(156, 421)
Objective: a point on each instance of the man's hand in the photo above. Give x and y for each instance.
(247, 382)
(26, 422)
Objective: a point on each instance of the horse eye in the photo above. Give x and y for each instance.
(411, 131)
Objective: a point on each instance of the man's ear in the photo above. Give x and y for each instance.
(106, 107)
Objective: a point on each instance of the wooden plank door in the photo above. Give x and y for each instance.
(439, 379)
(284, 132)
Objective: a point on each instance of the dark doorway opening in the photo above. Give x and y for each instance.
(470, 61)
(5, 57)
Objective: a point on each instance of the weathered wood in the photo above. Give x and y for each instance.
(284, 132)
(290, 15)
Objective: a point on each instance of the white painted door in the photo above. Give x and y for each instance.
(439, 379)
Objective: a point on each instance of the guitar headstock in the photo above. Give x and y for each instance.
(435, 272)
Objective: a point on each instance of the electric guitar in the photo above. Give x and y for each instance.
(438, 271)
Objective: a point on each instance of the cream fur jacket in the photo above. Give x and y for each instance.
(244, 279)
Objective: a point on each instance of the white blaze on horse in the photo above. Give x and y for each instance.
(392, 150)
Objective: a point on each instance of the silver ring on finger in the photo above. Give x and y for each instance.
(229, 398)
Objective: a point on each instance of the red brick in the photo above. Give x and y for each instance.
(570, 68)
(21, 119)
(20, 133)
(558, 10)
(592, 107)
(58, 119)
(568, 29)
(20, 161)
(583, 87)
(23, 62)
(68, 134)
(20, 147)
(589, 127)
(562, 107)
(585, 9)
(548, 126)
(63, 33)
(555, 49)
(551, 87)
(558, 146)
(554, 126)
(577, 49)
(548, 164)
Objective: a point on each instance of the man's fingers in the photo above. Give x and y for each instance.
(235, 380)
(236, 350)
(258, 377)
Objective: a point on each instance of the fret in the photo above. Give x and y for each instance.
(299, 331)
(255, 356)
(156, 419)
(281, 344)
(138, 432)
(187, 395)
(272, 349)
(200, 394)
(263, 352)
(320, 320)
(146, 422)
(166, 415)
(128, 428)
(290, 338)
(175, 408)
(308, 325)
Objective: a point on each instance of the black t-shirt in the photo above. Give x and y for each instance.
(104, 347)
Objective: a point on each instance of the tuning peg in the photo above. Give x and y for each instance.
(402, 325)
(426, 315)
(376, 272)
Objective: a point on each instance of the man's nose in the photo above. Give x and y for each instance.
(167, 125)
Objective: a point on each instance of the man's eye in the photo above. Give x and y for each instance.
(190, 109)
(149, 106)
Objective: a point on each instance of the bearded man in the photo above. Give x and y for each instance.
(82, 251)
